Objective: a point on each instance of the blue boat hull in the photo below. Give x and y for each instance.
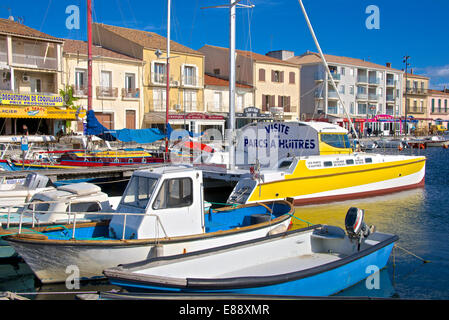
(325, 283)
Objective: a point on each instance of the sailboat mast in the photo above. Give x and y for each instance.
(89, 54)
(167, 91)
(231, 126)
(327, 67)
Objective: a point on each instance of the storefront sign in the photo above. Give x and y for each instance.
(270, 141)
(41, 112)
(29, 99)
(195, 116)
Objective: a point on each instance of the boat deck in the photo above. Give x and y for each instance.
(282, 266)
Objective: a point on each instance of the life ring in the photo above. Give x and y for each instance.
(400, 148)
(422, 146)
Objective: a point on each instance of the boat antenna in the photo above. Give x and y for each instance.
(327, 67)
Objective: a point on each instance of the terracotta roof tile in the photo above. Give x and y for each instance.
(15, 28)
(78, 46)
(437, 92)
(211, 80)
(412, 75)
(147, 39)
(313, 57)
(255, 56)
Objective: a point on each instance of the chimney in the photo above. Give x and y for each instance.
(411, 71)
(388, 64)
(11, 18)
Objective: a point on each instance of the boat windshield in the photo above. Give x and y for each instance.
(336, 140)
(139, 191)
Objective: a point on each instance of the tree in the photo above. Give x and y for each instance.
(69, 101)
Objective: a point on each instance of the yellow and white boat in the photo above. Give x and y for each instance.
(336, 172)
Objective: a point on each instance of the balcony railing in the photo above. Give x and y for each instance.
(332, 110)
(31, 61)
(107, 92)
(218, 107)
(80, 91)
(362, 96)
(374, 81)
(390, 97)
(373, 97)
(3, 57)
(417, 90)
(391, 82)
(416, 110)
(128, 93)
(332, 94)
(362, 79)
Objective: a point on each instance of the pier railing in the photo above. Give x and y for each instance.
(73, 217)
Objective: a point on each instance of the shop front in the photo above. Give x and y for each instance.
(34, 114)
(196, 122)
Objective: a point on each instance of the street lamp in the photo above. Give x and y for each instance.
(405, 60)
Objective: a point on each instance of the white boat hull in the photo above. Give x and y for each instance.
(53, 263)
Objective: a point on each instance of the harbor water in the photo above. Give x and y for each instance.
(418, 267)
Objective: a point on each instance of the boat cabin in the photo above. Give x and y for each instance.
(166, 201)
(80, 198)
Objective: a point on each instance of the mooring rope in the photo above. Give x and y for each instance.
(411, 253)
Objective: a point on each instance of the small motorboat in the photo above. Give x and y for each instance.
(17, 192)
(313, 261)
(56, 206)
(161, 213)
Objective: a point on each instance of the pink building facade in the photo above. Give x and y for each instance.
(438, 107)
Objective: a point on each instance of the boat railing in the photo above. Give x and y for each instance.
(71, 215)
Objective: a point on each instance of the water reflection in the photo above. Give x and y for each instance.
(386, 212)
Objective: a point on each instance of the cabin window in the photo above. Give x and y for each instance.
(350, 161)
(336, 140)
(39, 206)
(327, 163)
(174, 193)
(139, 191)
(84, 207)
(285, 164)
(368, 160)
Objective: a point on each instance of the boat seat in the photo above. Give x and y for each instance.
(259, 218)
(329, 232)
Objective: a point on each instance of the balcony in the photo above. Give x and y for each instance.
(80, 91)
(362, 79)
(3, 57)
(35, 62)
(373, 97)
(362, 96)
(107, 92)
(218, 107)
(321, 76)
(390, 98)
(391, 83)
(417, 91)
(128, 93)
(416, 110)
(332, 95)
(374, 81)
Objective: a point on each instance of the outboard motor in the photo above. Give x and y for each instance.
(356, 226)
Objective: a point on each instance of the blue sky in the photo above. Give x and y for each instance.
(419, 29)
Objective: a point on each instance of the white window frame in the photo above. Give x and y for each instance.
(153, 72)
(183, 75)
(190, 104)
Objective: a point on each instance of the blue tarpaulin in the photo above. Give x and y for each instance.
(149, 135)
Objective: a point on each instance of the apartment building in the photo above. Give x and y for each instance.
(31, 76)
(415, 101)
(116, 81)
(186, 70)
(371, 93)
(275, 82)
(438, 102)
(216, 98)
